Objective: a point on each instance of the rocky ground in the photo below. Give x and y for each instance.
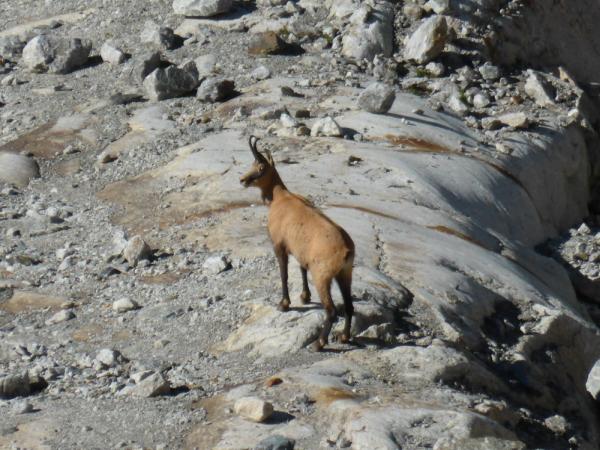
(138, 288)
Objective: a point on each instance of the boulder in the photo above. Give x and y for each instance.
(427, 41)
(171, 82)
(539, 90)
(266, 43)
(136, 250)
(161, 36)
(38, 54)
(326, 126)
(202, 8)
(377, 98)
(43, 54)
(144, 64)
(253, 408)
(110, 53)
(370, 32)
(18, 169)
(151, 386)
(215, 90)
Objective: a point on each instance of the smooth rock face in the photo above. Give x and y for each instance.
(170, 82)
(202, 8)
(215, 90)
(427, 41)
(17, 169)
(377, 98)
(487, 443)
(253, 408)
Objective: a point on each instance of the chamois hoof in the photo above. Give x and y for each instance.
(344, 338)
(316, 346)
(305, 298)
(283, 306)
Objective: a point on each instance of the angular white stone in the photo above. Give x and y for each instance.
(253, 408)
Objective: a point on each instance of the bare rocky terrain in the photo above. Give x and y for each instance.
(455, 140)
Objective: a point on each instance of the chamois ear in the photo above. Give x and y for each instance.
(270, 158)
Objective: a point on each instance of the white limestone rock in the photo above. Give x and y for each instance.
(111, 54)
(253, 408)
(326, 126)
(427, 41)
(18, 169)
(202, 8)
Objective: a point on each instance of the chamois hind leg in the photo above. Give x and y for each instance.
(323, 288)
(305, 296)
(344, 281)
(282, 259)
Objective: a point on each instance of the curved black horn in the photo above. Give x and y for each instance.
(252, 140)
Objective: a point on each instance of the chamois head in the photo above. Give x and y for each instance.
(262, 172)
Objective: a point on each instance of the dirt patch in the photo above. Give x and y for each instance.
(86, 333)
(209, 434)
(22, 301)
(50, 139)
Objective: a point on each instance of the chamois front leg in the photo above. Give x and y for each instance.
(282, 259)
(305, 296)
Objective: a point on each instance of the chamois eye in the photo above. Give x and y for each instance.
(261, 167)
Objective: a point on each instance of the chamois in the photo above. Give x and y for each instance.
(319, 245)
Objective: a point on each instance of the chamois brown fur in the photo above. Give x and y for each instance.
(319, 245)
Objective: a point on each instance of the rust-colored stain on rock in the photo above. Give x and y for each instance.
(417, 144)
(328, 395)
(446, 230)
